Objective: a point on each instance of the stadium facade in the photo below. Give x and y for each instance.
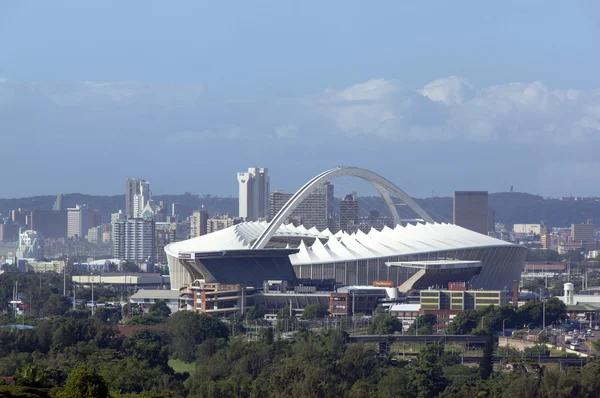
(252, 252)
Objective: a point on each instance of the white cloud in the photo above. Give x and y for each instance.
(387, 110)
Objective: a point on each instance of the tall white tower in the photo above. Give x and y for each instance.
(569, 289)
(254, 193)
(137, 196)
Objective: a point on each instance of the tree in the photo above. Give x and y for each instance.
(84, 383)
(108, 315)
(424, 323)
(486, 366)
(57, 304)
(31, 376)
(314, 311)
(188, 329)
(160, 308)
(254, 313)
(385, 324)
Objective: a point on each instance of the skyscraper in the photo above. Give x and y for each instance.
(312, 212)
(77, 221)
(199, 222)
(137, 196)
(349, 213)
(471, 210)
(254, 194)
(134, 239)
(584, 233)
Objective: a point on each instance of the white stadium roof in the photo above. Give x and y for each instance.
(325, 247)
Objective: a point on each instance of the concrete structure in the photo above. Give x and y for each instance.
(31, 245)
(348, 259)
(254, 194)
(199, 222)
(218, 223)
(535, 229)
(137, 195)
(166, 233)
(145, 298)
(407, 313)
(349, 213)
(94, 235)
(52, 224)
(445, 304)
(9, 232)
(471, 210)
(436, 273)
(584, 233)
(46, 266)
(567, 247)
(134, 239)
(147, 280)
(312, 212)
(569, 291)
(77, 221)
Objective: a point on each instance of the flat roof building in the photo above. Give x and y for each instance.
(471, 210)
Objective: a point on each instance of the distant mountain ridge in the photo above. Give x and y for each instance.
(510, 207)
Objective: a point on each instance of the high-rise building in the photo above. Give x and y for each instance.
(584, 233)
(94, 235)
(165, 233)
(77, 220)
(254, 194)
(52, 224)
(349, 213)
(137, 196)
(312, 212)
(199, 222)
(58, 206)
(9, 232)
(218, 223)
(31, 245)
(94, 218)
(471, 210)
(134, 239)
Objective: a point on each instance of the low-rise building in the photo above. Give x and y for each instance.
(445, 304)
(566, 247)
(145, 298)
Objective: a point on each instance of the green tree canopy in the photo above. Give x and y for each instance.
(314, 311)
(84, 383)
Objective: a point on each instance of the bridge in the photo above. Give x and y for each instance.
(422, 339)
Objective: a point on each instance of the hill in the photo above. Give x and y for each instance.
(510, 207)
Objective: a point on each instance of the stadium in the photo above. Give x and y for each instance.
(253, 252)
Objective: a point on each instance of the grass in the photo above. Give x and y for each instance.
(181, 367)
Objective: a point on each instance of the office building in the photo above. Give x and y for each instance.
(312, 212)
(199, 222)
(445, 304)
(9, 232)
(529, 229)
(254, 194)
(349, 213)
(77, 221)
(584, 233)
(137, 195)
(166, 233)
(31, 245)
(134, 239)
(94, 235)
(52, 224)
(58, 206)
(471, 210)
(94, 218)
(218, 223)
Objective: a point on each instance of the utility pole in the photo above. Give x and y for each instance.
(65, 276)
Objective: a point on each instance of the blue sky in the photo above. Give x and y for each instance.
(433, 95)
